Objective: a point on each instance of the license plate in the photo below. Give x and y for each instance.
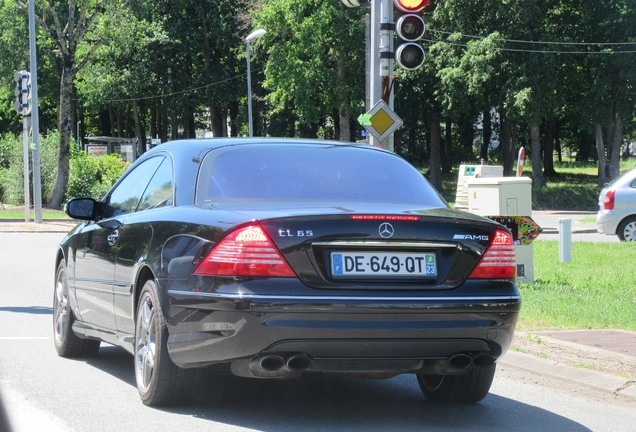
(347, 264)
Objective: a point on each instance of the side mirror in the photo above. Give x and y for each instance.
(81, 208)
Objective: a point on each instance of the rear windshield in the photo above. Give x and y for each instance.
(304, 173)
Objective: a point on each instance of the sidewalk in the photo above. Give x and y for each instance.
(549, 220)
(609, 343)
(48, 225)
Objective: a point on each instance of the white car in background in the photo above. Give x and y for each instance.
(617, 207)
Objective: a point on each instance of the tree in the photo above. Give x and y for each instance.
(67, 24)
(315, 62)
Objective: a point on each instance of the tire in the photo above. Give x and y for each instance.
(468, 388)
(67, 343)
(160, 382)
(627, 229)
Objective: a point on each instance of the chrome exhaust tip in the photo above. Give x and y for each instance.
(298, 362)
(269, 363)
(484, 360)
(460, 361)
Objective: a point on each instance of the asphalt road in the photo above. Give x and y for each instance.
(45, 392)
(582, 226)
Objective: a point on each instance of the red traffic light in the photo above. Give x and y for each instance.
(409, 6)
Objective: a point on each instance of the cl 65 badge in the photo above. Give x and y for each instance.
(295, 233)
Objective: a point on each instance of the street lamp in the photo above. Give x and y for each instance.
(254, 35)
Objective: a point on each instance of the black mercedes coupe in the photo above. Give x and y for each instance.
(275, 257)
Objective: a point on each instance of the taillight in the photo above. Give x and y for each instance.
(248, 251)
(608, 199)
(499, 261)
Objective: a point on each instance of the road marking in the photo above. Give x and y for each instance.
(25, 416)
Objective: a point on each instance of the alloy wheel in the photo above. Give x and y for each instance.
(145, 344)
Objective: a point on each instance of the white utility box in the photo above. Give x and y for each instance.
(469, 172)
(505, 196)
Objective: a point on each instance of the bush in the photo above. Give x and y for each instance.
(12, 167)
(88, 176)
(93, 176)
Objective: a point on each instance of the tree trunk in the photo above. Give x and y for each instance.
(487, 134)
(154, 131)
(216, 120)
(435, 171)
(65, 128)
(467, 137)
(600, 153)
(345, 103)
(535, 142)
(507, 144)
(447, 159)
(216, 123)
(616, 141)
(233, 114)
(139, 130)
(548, 149)
(119, 126)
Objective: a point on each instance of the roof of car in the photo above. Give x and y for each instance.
(200, 144)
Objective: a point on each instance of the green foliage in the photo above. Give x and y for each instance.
(12, 167)
(564, 195)
(93, 176)
(592, 291)
(315, 53)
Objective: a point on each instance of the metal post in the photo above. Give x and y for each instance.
(367, 62)
(254, 35)
(375, 82)
(381, 62)
(249, 91)
(79, 140)
(565, 240)
(35, 122)
(25, 139)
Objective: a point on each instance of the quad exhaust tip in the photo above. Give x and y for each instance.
(281, 365)
(277, 364)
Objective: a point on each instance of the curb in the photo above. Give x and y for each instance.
(612, 384)
(552, 230)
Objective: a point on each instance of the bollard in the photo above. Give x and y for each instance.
(565, 240)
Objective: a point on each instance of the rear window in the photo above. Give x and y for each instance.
(305, 173)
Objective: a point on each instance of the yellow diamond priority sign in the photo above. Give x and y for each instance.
(380, 121)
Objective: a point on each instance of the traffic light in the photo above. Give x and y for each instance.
(410, 28)
(22, 103)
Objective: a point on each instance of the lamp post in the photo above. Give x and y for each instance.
(254, 35)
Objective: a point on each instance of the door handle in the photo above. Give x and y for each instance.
(112, 238)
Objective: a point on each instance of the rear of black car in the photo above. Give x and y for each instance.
(344, 260)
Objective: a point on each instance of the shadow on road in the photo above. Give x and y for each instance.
(337, 402)
(35, 310)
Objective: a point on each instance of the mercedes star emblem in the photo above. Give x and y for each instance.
(386, 230)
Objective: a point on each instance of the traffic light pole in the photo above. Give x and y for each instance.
(380, 57)
(35, 123)
(381, 60)
(25, 140)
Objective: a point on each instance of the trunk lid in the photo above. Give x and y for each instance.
(353, 247)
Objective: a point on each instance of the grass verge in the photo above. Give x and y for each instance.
(19, 214)
(597, 290)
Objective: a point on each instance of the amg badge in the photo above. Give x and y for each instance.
(470, 237)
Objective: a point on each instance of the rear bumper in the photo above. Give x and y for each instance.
(607, 222)
(208, 328)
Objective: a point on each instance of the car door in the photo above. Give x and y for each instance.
(98, 245)
(135, 240)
